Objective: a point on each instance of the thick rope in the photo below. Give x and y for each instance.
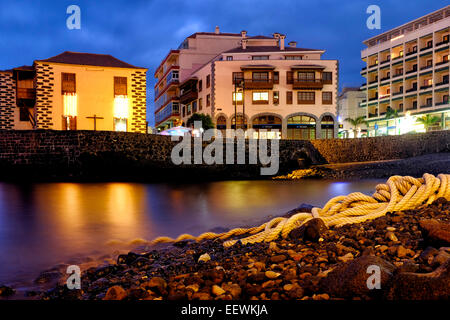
(397, 194)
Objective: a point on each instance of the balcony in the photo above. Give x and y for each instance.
(427, 47)
(411, 53)
(373, 98)
(26, 93)
(385, 78)
(426, 87)
(442, 103)
(363, 68)
(258, 84)
(411, 90)
(426, 67)
(442, 83)
(397, 93)
(397, 75)
(188, 96)
(171, 110)
(373, 115)
(442, 62)
(385, 61)
(373, 81)
(373, 65)
(411, 71)
(441, 43)
(315, 84)
(428, 105)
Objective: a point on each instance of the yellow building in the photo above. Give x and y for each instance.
(74, 91)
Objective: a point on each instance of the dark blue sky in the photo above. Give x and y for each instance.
(142, 32)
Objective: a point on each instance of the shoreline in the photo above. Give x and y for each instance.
(313, 264)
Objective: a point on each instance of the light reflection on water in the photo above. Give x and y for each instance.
(44, 224)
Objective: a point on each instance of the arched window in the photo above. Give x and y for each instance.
(327, 127)
(301, 128)
(267, 127)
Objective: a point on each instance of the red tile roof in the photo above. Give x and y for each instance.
(89, 59)
(215, 34)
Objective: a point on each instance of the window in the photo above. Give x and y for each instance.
(398, 71)
(429, 62)
(208, 100)
(229, 58)
(120, 86)
(194, 106)
(306, 97)
(200, 85)
(445, 98)
(400, 54)
(120, 125)
(445, 38)
(260, 76)
(237, 77)
(68, 83)
(293, 57)
(288, 97)
(429, 102)
(237, 97)
(306, 76)
(208, 80)
(261, 97)
(429, 43)
(327, 77)
(184, 111)
(24, 114)
(289, 77)
(189, 109)
(200, 104)
(69, 123)
(445, 58)
(276, 77)
(276, 97)
(260, 57)
(327, 97)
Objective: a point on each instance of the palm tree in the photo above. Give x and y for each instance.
(356, 122)
(391, 114)
(428, 121)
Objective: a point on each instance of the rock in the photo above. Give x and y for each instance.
(204, 258)
(127, 258)
(428, 254)
(115, 293)
(272, 274)
(47, 277)
(350, 279)
(156, 284)
(391, 236)
(435, 232)
(278, 258)
(217, 291)
(6, 291)
(312, 230)
(140, 262)
(347, 257)
(421, 286)
(234, 289)
(401, 252)
(440, 258)
(201, 296)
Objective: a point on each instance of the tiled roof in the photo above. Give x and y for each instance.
(89, 59)
(260, 37)
(267, 49)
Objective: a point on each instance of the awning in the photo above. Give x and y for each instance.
(258, 67)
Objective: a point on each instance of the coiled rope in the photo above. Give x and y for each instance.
(397, 194)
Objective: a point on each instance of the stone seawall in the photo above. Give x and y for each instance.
(88, 155)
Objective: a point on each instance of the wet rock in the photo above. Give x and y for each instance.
(346, 257)
(440, 258)
(272, 274)
(47, 277)
(156, 284)
(127, 258)
(435, 232)
(391, 236)
(140, 262)
(312, 230)
(217, 291)
(234, 289)
(278, 258)
(115, 293)
(350, 279)
(428, 254)
(6, 291)
(204, 258)
(421, 286)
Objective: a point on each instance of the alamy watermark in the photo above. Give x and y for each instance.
(74, 20)
(191, 147)
(374, 280)
(374, 20)
(74, 280)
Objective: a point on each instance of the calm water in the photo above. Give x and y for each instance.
(44, 224)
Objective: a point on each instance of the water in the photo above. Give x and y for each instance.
(44, 224)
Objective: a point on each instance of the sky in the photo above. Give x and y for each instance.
(142, 32)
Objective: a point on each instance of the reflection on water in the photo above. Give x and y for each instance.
(48, 223)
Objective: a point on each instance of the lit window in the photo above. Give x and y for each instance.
(237, 96)
(70, 104)
(260, 96)
(121, 107)
(120, 125)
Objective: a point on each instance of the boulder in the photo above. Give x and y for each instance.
(115, 293)
(435, 232)
(349, 279)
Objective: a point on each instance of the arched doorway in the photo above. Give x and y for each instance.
(301, 128)
(267, 127)
(221, 124)
(327, 127)
(240, 123)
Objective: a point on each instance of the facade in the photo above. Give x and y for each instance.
(278, 90)
(74, 91)
(349, 106)
(407, 69)
(193, 52)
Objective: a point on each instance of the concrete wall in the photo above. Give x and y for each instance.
(63, 155)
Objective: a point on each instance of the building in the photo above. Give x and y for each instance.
(407, 69)
(193, 52)
(350, 106)
(261, 84)
(74, 91)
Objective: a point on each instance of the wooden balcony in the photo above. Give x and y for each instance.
(315, 84)
(258, 84)
(26, 93)
(189, 96)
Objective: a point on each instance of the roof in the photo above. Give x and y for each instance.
(267, 49)
(25, 68)
(89, 59)
(261, 37)
(214, 34)
(307, 66)
(257, 66)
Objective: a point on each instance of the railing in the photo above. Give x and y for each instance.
(411, 71)
(373, 81)
(385, 61)
(397, 93)
(373, 98)
(426, 48)
(442, 103)
(426, 67)
(426, 87)
(308, 84)
(411, 90)
(26, 93)
(385, 78)
(258, 83)
(442, 83)
(441, 43)
(411, 52)
(188, 96)
(442, 62)
(172, 109)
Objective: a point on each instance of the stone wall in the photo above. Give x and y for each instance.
(7, 100)
(105, 155)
